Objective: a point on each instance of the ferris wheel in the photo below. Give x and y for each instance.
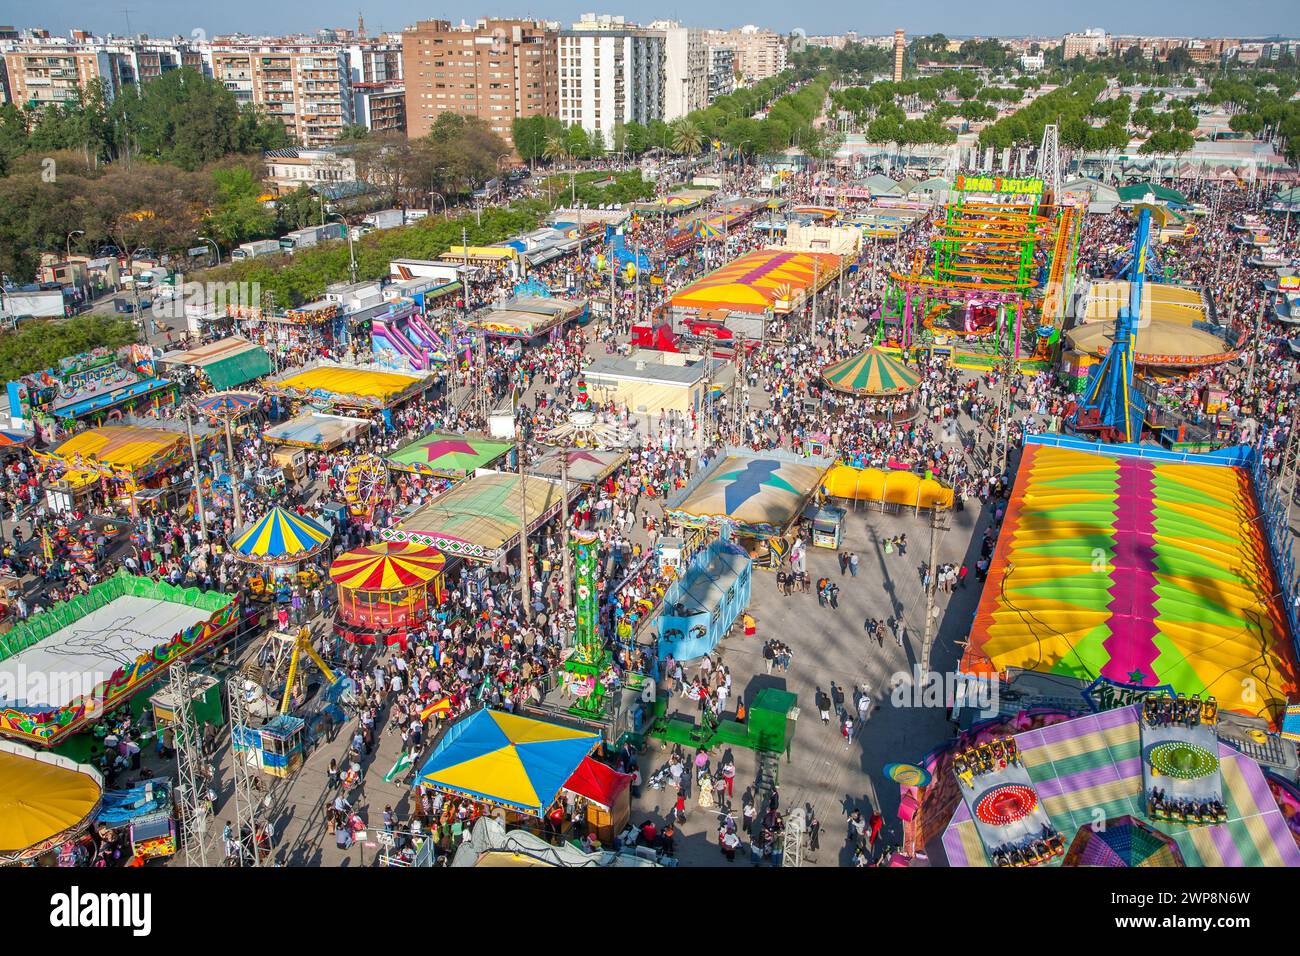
(364, 484)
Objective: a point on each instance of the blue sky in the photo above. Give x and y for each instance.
(1002, 17)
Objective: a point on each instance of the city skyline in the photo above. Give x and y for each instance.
(995, 18)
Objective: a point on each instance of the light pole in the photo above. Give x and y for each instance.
(215, 248)
(352, 255)
(440, 196)
(68, 252)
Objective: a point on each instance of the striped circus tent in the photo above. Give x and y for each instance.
(280, 537)
(387, 566)
(871, 372)
(228, 404)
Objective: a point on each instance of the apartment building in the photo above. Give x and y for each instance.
(722, 71)
(611, 73)
(1088, 44)
(39, 69)
(380, 106)
(759, 53)
(305, 85)
(497, 70)
(686, 69)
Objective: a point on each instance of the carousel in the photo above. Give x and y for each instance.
(281, 544)
(879, 377)
(588, 428)
(385, 590)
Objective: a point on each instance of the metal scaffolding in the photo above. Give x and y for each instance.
(244, 801)
(1048, 166)
(189, 763)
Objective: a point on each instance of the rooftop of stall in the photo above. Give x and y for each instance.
(348, 386)
(227, 362)
(757, 494)
(527, 317)
(478, 518)
(314, 429)
(713, 590)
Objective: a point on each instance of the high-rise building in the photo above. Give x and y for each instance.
(900, 54)
(40, 69)
(686, 69)
(759, 53)
(497, 70)
(611, 73)
(722, 71)
(305, 85)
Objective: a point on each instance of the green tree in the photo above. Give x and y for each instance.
(238, 214)
(686, 137)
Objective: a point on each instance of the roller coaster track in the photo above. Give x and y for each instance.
(1054, 301)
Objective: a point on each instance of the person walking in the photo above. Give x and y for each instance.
(824, 705)
(853, 564)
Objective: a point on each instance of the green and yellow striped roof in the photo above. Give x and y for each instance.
(872, 372)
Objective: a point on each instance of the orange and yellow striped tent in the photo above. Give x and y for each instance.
(760, 281)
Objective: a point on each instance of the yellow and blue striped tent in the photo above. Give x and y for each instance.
(280, 537)
(507, 760)
(871, 372)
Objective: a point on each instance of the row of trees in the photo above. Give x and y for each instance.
(727, 119)
(181, 118)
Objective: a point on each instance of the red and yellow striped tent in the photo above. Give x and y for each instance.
(759, 281)
(387, 566)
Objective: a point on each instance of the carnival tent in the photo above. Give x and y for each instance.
(387, 566)
(317, 430)
(1124, 841)
(479, 517)
(585, 465)
(1157, 343)
(45, 800)
(759, 281)
(280, 537)
(227, 362)
(508, 760)
(130, 448)
(871, 373)
(1145, 572)
(896, 487)
(598, 782)
(227, 404)
(759, 494)
(348, 385)
(448, 455)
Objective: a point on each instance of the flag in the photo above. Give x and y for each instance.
(404, 761)
(439, 707)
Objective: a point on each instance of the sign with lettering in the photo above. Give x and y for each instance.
(1106, 694)
(1020, 186)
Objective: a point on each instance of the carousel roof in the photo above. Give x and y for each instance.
(228, 404)
(280, 536)
(1123, 842)
(43, 799)
(387, 566)
(1157, 343)
(871, 372)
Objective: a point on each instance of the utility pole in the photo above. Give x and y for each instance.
(234, 485)
(1254, 350)
(523, 527)
(198, 484)
(931, 611)
(189, 757)
(567, 591)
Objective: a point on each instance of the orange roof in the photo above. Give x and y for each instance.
(760, 280)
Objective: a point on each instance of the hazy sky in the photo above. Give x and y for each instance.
(1002, 17)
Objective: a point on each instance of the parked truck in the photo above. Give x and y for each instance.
(305, 238)
(251, 250)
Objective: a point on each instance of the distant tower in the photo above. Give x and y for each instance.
(361, 25)
(900, 51)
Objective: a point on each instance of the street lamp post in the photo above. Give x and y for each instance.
(352, 255)
(215, 248)
(440, 196)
